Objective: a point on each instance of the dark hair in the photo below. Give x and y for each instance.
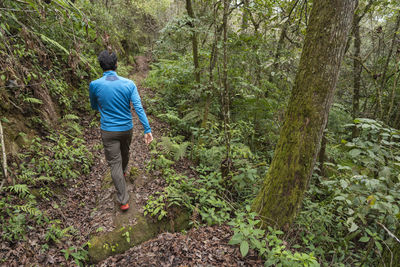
(108, 60)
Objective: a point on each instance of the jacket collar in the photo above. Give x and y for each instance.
(109, 73)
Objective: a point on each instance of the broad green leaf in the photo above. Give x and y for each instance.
(339, 198)
(244, 248)
(364, 239)
(344, 184)
(355, 152)
(236, 239)
(353, 227)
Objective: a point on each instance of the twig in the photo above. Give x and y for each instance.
(3, 150)
(388, 231)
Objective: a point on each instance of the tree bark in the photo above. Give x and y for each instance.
(195, 46)
(357, 68)
(295, 155)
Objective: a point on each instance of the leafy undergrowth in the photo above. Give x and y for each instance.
(47, 216)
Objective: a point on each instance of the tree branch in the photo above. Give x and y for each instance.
(390, 233)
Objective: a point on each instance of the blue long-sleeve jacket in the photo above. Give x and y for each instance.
(111, 95)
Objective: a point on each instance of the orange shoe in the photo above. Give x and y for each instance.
(124, 207)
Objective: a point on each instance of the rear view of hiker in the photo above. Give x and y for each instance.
(112, 95)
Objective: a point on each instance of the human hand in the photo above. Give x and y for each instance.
(148, 138)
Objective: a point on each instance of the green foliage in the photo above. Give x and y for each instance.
(32, 100)
(268, 244)
(171, 148)
(21, 189)
(200, 196)
(15, 228)
(55, 233)
(156, 206)
(42, 48)
(79, 255)
(46, 162)
(247, 234)
(342, 216)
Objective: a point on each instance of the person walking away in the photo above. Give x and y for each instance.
(112, 95)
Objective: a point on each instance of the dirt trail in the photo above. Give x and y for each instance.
(140, 184)
(206, 246)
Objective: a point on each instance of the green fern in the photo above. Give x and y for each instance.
(71, 117)
(21, 189)
(32, 100)
(176, 151)
(45, 179)
(28, 209)
(196, 116)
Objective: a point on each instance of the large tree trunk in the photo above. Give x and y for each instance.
(287, 179)
(195, 45)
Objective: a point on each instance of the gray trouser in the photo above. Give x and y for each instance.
(116, 148)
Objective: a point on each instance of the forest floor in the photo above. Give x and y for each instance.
(89, 206)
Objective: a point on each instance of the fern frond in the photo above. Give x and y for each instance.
(28, 209)
(180, 151)
(53, 42)
(193, 116)
(20, 189)
(71, 117)
(32, 100)
(45, 179)
(169, 147)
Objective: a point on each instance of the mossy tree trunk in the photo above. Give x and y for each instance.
(295, 154)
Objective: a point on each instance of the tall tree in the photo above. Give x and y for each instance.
(227, 163)
(195, 45)
(357, 65)
(295, 155)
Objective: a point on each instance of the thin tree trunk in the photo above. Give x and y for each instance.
(245, 19)
(213, 61)
(226, 165)
(195, 45)
(278, 50)
(321, 154)
(357, 67)
(389, 57)
(397, 120)
(393, 95)
(295, 154)
(4, 157)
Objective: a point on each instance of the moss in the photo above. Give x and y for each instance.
(133, 174)
(123, 238)
(107, 180)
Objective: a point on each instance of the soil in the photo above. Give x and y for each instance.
(89, 206)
